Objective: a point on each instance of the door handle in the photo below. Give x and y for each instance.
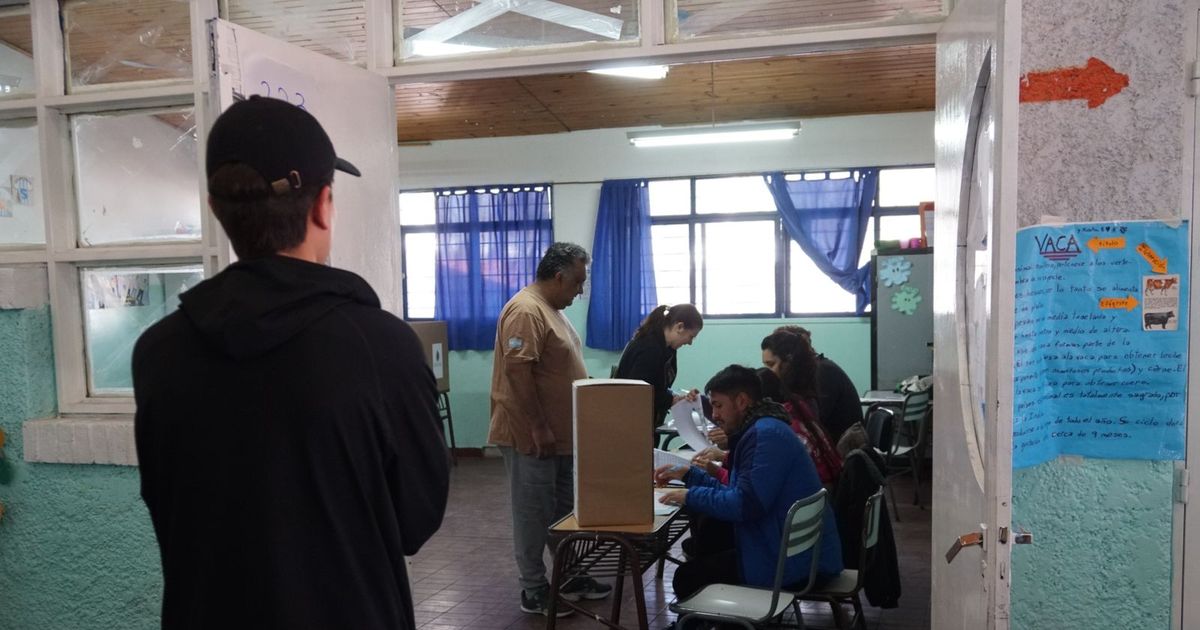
(973, 539)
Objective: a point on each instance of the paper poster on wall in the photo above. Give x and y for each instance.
(1101, 350)
(438, 364)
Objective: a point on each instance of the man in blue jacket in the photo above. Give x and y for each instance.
(770, 469)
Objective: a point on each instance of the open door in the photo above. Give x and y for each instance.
(973, 301)
(357, 110)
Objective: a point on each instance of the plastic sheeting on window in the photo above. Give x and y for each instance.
(335, 28)
(434, 28)
(136, 177)
(117, 41)
(699, 18)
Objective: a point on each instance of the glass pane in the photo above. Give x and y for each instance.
(698, 18)
(739, 267)
(435, 27)
(113, 41)
(906, 186)
(733, 195)
(420, 269)
(119, 304)
(16, 52)
(337, 28)
(672, 263)
(812, 291)
(417, 208)
(671, 197)
(21, 217)
(136, 177)
(901, 228)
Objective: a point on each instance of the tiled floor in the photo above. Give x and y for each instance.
(466, 576)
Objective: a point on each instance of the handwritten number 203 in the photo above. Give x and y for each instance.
(295, 98)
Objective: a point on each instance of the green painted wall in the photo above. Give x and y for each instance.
(845, 340)
(1101, 556)
(76, 547)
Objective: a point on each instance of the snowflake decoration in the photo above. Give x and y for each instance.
(906, 300)
(895, 271)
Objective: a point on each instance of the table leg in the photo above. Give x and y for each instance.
(619, 587)
(556, 575)
(639, 589)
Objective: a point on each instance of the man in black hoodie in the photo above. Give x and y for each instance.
(286, 428)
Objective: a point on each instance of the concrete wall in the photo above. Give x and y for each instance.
(576, 163)
(1102, 555)
(76, 547)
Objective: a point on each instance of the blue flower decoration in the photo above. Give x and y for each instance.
(906, 300)
(895, 271)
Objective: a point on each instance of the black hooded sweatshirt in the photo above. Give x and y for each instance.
(290, 451)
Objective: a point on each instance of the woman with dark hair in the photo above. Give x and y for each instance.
(650, 355)
(791, 357)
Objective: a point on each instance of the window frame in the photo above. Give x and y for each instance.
(62, 256)
(783, 260)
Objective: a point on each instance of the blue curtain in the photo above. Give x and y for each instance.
(828, 219)
(623, 289)
(489, 243)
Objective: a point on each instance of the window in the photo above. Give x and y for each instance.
(719, 243)
(418, 230)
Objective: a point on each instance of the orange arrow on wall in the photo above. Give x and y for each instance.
(1128, 303)
(1095, 82)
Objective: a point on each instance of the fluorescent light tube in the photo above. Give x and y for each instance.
(635, 72)
(713, 135)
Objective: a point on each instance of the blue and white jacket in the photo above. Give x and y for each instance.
(770, 469)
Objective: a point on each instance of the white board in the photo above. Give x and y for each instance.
(357, 110)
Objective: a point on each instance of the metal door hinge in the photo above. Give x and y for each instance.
(1181, 486)
(1020, 537)
(1193, 79)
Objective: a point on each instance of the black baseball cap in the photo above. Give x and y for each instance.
(283, 143)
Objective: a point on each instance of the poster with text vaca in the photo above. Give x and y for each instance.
(1100, 341)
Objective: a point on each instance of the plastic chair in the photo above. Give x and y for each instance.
(880, 421)
(751, 606)
(846, 588)
(443, 408)
(914, 422)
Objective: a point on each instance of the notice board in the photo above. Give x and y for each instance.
(1100, 341)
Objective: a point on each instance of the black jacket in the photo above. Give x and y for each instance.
(290, 451)
(862, 477)
(839, 406)
(649, 358)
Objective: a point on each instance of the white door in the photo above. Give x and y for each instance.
(974, 232)
(1186, 593)
(357, 110)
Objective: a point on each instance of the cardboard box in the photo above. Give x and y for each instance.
(434, 340)
(614, 452)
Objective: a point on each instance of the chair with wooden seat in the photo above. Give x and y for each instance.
(750, 606)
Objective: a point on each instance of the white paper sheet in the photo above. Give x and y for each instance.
(689, 420)
(663, 458)
(661, 509)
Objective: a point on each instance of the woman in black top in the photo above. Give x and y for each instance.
(650, 355)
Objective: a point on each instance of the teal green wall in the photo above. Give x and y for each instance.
(76, 547)
(1101, 552)
(845, 340)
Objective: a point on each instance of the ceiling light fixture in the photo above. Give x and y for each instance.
(635, 72)
(714, 135)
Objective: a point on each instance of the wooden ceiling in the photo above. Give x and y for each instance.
(881, 80)
(115, 40)
(16, 30)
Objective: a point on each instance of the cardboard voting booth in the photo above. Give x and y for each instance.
(434, 341)
(614, 449)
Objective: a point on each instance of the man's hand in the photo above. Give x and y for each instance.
(719, 438)
(543, 442)
(709, 459)
(668, 473)
(677, 498)
(691, 396)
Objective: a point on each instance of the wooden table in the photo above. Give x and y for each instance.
(611, 552)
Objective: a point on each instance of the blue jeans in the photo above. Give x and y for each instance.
(543, 491)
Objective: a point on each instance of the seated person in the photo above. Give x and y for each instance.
(837, 399)
(788, 354)
(769, 471)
